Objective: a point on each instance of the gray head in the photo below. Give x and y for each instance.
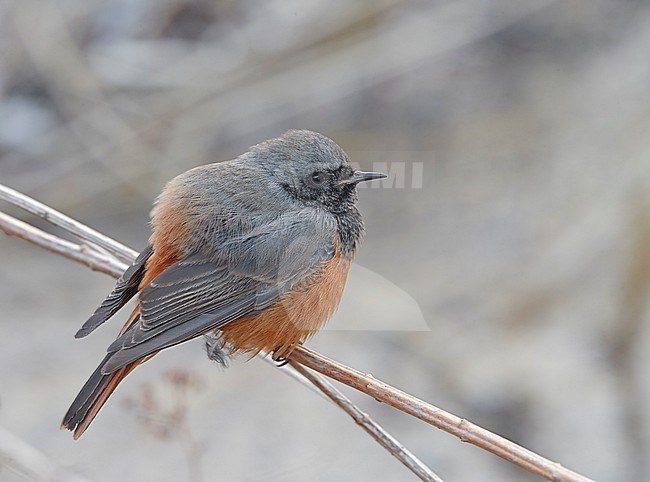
(312, 169)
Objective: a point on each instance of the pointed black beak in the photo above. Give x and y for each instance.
(361, 176)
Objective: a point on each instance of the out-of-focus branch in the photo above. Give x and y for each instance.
(624, 344)
(382, 392)
(108, 264)
(17, 455)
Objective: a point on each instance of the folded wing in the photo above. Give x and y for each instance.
(125, 289)
(207, 290)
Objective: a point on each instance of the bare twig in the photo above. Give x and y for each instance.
(77, 252)
(385, 439)
(382, 392)
(120, 251)
(319, 385)
(461, 428)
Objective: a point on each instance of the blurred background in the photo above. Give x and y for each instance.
(523, 245)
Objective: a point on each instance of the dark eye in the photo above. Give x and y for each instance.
(318, 178)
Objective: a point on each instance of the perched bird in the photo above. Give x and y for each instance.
(255, 251)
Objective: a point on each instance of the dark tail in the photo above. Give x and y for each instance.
(93, 396)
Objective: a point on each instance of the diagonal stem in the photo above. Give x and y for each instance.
(120, 251)
(382, 437)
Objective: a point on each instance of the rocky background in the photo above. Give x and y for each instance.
(508, 283)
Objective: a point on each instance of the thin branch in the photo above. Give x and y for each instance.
(384, 439)
(382, 392)
(291, 372)
(77, 252)
(80, 230)
(461, 428)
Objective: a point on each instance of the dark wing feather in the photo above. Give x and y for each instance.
(161, 310)
(206, 291)
(125, 289)
(178, 334)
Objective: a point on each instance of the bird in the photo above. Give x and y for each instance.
(253, 252)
